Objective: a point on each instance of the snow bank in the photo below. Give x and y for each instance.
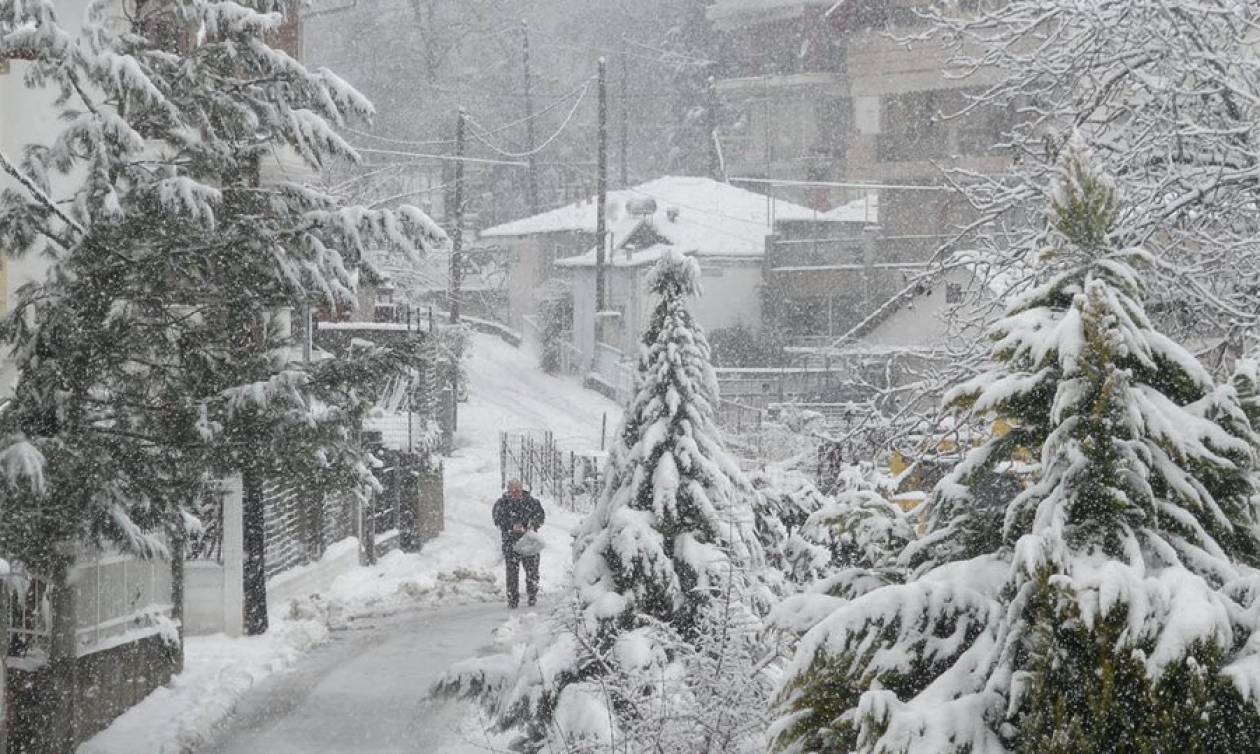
(218, 671)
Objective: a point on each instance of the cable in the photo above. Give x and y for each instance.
(368, 150)
(404, 142)
(546, 142)
(582, 87)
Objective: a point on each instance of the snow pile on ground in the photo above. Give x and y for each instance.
(181, 716)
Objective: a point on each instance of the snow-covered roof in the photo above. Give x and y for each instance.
(697, 206)
(763, 9)
(696, 215)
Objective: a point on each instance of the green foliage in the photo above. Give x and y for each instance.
(555, 318)
(1090, 691)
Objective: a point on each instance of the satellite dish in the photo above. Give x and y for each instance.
(644, 206)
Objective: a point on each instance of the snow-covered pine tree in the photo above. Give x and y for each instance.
(664, 569)
(144, 355)
(1118, 613)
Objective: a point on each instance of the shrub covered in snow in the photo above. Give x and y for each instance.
(1117, 608)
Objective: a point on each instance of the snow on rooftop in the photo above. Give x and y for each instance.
(723, 9)
(695, 202)
(697, 215)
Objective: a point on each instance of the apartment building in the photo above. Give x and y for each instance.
(822, 92)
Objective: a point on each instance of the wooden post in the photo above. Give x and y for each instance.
(625, 121)
(603, 430)
(532, 171)
(457, 232)
(602, 193)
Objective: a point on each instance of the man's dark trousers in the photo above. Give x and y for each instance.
(513, 560)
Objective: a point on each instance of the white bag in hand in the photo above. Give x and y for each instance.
(529, 544)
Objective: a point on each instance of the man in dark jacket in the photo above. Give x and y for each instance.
(516, 513)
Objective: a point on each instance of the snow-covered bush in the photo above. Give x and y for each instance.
(661, 625)
(785, 499)
(1118, 609)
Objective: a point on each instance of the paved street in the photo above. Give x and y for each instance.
(364, 692)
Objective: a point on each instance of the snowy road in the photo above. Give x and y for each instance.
(365, 690)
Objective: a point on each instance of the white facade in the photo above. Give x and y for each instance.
(731, 296)
(922, 320)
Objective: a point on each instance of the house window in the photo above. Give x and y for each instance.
(953, 293)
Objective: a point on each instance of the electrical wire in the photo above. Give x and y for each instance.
(582, 88)
(546, 142)
(403, 142)
(368, 150)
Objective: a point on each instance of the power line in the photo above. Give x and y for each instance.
(404, 142)
(453, 158)
(842, 184)
(546, 142)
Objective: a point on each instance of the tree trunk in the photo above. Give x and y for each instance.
(63, 726)
(255, 542)
(178, 548)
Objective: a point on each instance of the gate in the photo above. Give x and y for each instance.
(568, 478)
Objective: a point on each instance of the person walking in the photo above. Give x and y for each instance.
(516, 513)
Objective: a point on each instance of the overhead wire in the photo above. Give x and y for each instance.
(546, 142)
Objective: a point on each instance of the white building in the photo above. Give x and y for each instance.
(724, 226)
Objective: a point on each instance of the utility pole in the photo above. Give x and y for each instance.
(625, 119)
(602, 190)
(457, 233)
(529, 124)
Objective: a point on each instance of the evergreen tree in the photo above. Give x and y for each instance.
(1117, 611)
(147, 355)
(663, 570)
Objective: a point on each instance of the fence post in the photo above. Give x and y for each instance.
(502, 460)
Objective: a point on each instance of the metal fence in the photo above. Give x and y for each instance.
(301, 521)
(568, 478)
(738, 417)
(118, 598)
(30, 619)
